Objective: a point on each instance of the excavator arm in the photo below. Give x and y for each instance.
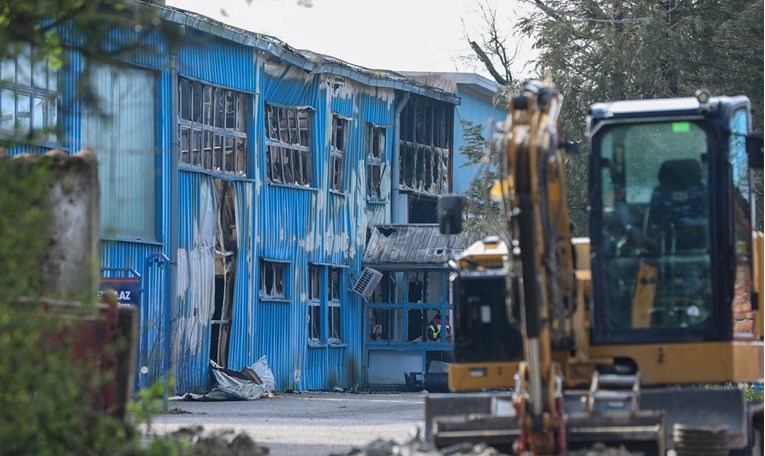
(532, 193)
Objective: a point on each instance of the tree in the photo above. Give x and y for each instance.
(598, 50)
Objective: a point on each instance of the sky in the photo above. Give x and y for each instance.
(399, 35)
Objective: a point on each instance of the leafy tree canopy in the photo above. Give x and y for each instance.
(604, 50)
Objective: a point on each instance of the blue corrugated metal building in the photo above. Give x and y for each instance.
(240, 181)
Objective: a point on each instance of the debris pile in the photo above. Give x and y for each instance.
(221, 443)
(418, 447)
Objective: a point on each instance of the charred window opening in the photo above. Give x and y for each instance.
(29, 97)
(226, 249)
(324, 304)
(384, 293)
(424, 148)
(333, 305)
(423, 209)
(338, 143)
(375, 154)
(288, 151)
(212, 127)
(272, 276)
(314, 303)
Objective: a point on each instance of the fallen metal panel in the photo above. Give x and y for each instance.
(411, 244)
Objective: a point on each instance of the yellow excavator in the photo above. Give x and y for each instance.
(638, 337)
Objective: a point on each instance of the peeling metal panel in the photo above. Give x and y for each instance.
(196, 281)
(241, 350)
(411, 244)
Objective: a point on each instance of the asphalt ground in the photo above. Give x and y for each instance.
(315, 423)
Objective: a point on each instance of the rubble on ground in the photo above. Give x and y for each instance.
(418, 447)
(220, 443)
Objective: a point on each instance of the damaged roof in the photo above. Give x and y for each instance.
(412, 244)
(306, 60)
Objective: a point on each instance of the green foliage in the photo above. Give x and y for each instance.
(612, 50)
(23, 189)
(754, 394)
(150, 401)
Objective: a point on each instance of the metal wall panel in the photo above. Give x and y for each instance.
(217, 61)
(303, 226)
(241, 350)
(273, 332)
(478, 110)
(118, 254)
(195, 298)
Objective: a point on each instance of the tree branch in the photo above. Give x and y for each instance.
(487, 63)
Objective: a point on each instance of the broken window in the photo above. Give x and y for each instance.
(288, 152)
(29, 96)
(424, 147)
(226, 249)
(331, 304)
(272, 277)
(212, 127)
(314, 303)
(338, 143)
(375, 154)
(385, 291)
(386, 324)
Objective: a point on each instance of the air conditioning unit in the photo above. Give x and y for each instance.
(367, 282)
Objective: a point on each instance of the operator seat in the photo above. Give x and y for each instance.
(678, 217)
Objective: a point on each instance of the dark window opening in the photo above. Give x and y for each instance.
(424, 149)
(288, 152)
(423, 209)
(272, 280)
(339, 139)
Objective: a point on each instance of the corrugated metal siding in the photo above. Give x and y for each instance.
(144, 49)
(412, 244)
(273, 331)
(196, 279)
(117, 254)
(305, 226)
(479, 111)
(71, 110)
(166, 124)
(125, 143)
(241, 350)
(218, 61)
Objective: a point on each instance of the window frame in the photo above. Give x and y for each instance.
(212, 135)
(338, 145)
(314, 304)
(375, 161)
(288, 142)
(425, 146)
(44, 88)
(276, 266)
(325, 285)
(334, 307)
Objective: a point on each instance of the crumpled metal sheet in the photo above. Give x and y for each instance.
(248, 384)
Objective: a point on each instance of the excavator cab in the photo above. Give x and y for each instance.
(671, 226)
